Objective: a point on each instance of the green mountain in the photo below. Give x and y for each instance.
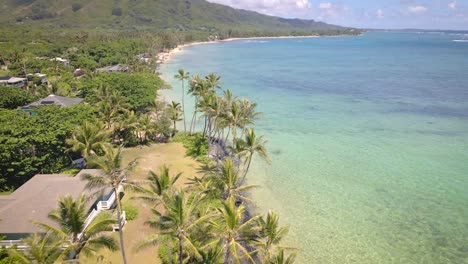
(181, 15)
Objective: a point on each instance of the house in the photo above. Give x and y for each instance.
(144, 57)
(42, 77)
(13, 81)
(114, 68)
(37, 197)
(51, 100)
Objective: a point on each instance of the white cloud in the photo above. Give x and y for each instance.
(325, 5)
(417, 9)
(380, 13)
(453, 5)
(302, 4)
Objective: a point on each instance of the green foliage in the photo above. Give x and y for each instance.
(138, 88)
(85, 63)
(131, 212)
(33, 144)
(196, 145)
(72, 171)
(14, 97)
(172, 15)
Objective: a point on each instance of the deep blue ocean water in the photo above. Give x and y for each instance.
(368, 137)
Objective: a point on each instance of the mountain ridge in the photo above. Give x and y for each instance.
(179, 15)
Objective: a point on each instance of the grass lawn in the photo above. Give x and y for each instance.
(148, 158)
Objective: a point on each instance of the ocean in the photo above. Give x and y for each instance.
(368, 137)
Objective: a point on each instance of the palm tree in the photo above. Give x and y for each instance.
(237, 234)
(44, 249)
(271, 234)
(146, 128)
(182, 76)
(75, 233)
(181, 216)
(226, 181)
(235, 119)
(114, 176)
(158, 185)
(198, 87)
(253, 145)
(280, 258)
(110, 103)
(213, 80)
(89, 139)
(174, 114)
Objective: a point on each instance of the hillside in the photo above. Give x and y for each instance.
(181, 15)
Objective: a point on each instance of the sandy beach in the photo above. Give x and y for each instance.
(165, 57)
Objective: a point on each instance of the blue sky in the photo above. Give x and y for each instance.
(388, 14)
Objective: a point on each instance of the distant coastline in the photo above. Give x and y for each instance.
(167, 56)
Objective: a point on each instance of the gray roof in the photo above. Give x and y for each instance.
(114, 68)
(55, 100)
(36, 198)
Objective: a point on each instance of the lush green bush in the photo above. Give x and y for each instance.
(13, 97)
(34, 144)
(131, 212)
(138, 88)
(196, 145)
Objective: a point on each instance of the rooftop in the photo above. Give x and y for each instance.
(36, 198)
(54, 100)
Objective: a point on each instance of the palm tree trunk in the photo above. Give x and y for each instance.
(183, 105)
(194, 116)
(204, 128)
(173, 133)
(180, 251)
(247, 169)
(119, 214)
(227, 135)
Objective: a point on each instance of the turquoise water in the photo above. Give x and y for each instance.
(368, 137)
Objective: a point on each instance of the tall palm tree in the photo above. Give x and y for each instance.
(114, 176)
(227, 182)
(158, 185)
(89, 139)
(198, 87)
(213, 80)
(180, 217)
(253, 145)
(174, 114)
(44, 249)
(271, 234)
(182, 76)
(236, 234)
(75, 233)
(235, 119)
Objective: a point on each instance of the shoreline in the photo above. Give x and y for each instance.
(165, 57)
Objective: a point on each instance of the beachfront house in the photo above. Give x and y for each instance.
(114, 68)
(13, 81)
(37, 197)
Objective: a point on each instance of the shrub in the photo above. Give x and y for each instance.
(131, 212)
(117, 11)
(76, 7)
(196, 145)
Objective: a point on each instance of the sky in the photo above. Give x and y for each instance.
(381, 14)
